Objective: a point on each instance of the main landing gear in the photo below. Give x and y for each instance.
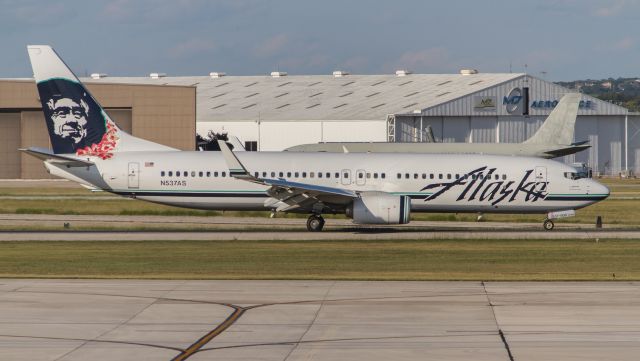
(548, 224)
(315, 223)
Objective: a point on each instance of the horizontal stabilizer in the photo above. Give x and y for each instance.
(48, 155)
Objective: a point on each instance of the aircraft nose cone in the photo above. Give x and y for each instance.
(600, 189)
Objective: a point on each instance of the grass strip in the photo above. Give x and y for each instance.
(488, 260)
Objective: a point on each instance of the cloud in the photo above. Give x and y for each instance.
(191, 48)
(272, 46)
(624, 44)
(610, 8)
(426, 60)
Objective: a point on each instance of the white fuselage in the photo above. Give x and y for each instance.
(435, 182)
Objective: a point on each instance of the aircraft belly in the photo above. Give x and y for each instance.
(210, 203)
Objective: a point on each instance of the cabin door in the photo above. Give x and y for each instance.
(134, 176)
(541, 178)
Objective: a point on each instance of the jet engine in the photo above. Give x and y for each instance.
(380, 208)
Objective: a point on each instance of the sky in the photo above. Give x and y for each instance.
(552, 39)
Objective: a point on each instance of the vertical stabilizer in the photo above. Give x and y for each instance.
(559, 126)
(76, 122)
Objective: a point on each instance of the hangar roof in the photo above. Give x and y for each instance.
(321, 97)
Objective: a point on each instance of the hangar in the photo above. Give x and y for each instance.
(276, 111)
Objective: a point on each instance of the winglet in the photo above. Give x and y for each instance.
(236, 169)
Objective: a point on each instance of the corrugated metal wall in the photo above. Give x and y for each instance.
(602, 124)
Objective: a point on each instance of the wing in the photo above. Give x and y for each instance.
(287, 196)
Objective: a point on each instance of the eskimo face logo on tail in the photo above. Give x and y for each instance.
(75, 121)
(480, 186)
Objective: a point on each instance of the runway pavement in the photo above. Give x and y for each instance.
(68, 320)
(129, 228)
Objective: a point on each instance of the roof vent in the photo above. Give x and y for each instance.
(215, 74)
(277, 74)
(340, 73)
(157, 75)
(468, 71)
(402, 72)
(98, 75)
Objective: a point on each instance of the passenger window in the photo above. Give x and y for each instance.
(170, 174)
(311, 174)
(264, 174)
(504, 177)
(215, 174)
(360, 175)
(431, 176)
(304, 174)
(297, 175)
(448, 176)
(368, 175)
(193, 173)
(375, 175)
(208, 174)
(200, 174)
(185, 174)
(346, 175)
(162, 174)
(399, 175)
(406, 176)
(415, 175)
(424, 175)
(280, 174)
(457, 176)
(319, 174)
(337, 175)
(273, 174)
(288, 174)
(256, 174)
(383, 175)
(440, 176)
(223, 174)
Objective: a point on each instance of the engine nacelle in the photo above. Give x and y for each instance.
(380, 208)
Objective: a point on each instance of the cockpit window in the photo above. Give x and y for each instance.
(575, 175)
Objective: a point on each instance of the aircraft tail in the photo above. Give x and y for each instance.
(559, 126)
(76, 122)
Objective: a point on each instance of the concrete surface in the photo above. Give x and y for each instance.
(126, 228)
(317, 320)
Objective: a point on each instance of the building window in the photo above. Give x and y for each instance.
(251, 146)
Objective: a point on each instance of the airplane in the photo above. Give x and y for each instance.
(553, 139)
(370, 188)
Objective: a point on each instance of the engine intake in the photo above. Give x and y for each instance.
(380, 208)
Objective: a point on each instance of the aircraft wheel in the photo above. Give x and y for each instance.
(548, 225)
(315, 223)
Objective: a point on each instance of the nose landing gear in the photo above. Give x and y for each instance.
(315, 222)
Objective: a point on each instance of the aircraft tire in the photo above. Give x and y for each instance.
(548, 225)
(315, 223)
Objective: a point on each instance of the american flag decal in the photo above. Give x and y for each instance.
(148, 164)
